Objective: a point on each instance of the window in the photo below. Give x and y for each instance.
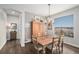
(65, 24)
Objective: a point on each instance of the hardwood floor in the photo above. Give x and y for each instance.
(13, 47)
(68, 49)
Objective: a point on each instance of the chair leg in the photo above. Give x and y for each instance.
(37, 51)
(62, 48)
(56, 49)
(52, 51)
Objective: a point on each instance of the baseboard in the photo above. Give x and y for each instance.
(73, 45)
(27, 41)
(3, 45)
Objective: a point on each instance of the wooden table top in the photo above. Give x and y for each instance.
(45, 40)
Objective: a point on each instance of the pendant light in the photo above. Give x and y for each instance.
(49, 10)
(49, 19)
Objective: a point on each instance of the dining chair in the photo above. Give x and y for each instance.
(53, 47)
(60, 43)
(57, 44)
(37, 46)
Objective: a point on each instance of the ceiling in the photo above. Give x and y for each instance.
(39, 9)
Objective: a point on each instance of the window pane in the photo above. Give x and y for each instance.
(65, 24)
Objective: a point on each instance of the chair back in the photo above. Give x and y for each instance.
(55, 41)
(61, 37)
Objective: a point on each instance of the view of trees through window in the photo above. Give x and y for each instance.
(64, 24)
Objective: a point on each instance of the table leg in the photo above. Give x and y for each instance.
(44, 49)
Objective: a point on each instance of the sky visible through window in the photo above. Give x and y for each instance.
(65, 21)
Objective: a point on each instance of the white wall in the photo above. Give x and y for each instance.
(2, 28)
(28, 20)
(12, 19)
(75, 12)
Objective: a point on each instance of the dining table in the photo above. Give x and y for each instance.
(45, 41)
